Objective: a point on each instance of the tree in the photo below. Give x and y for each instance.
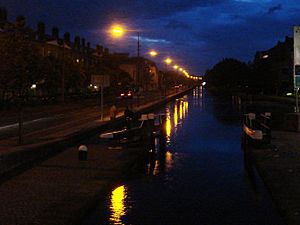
(229, 74)
(19, 64)
(19, 61)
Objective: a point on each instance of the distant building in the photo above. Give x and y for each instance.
(278, 63)
(93, 60)
(148, 72)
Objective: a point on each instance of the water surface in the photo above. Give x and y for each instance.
(200, 179)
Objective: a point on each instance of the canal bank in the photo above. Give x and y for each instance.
(62, 189)
(279, 162)
(15, 158)
(279, 167)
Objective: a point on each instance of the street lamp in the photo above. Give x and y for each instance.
(168, 61)
(153, 53)
(33, 86)
(117, 31)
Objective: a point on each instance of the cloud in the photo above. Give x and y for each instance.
(241, 41)
(174, 24)
(151, 40)
(274, 9)
(116, 8)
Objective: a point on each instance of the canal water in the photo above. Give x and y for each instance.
(200, 179)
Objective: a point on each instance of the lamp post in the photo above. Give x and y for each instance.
(167, 62)
(118, 31)
(138, 75)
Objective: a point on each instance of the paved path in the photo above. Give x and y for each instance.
(279, 167)
(62, 189)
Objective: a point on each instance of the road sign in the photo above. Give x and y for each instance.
(297, 75)
(297, 63)
(296, 56)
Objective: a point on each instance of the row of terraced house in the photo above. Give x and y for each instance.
(143, 72)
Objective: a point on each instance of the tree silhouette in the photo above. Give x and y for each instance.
(19, 65)
(229, 74)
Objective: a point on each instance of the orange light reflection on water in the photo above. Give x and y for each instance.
(180, 111)
(168, 126)
(169, 160)
(175, 114)
(117, 205)
(186, 107)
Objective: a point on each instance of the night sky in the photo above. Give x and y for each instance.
(196, 34)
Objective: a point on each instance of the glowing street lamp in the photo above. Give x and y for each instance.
(117, 31)
(153, 53)
(168, 61)
(180, 69)
(175, 67)
(33, 87)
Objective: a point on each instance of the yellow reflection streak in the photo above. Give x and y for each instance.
(183, 109)
(186, 107)
(180, 111)
(117, 205)
(201, 92)
(168, 126)
(175, 115)
(169, 160)
(156, 168)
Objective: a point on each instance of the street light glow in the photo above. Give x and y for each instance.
(180, 69)
(117, 31)
(175, 67)
(168, 60)
(153, 53)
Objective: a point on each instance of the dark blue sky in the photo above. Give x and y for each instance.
(196, 33)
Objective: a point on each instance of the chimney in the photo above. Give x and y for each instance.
(55, 33)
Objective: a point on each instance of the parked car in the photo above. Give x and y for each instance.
(125, 94)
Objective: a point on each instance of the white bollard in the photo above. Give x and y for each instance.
(82, 153)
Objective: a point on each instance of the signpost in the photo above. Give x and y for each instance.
(296, 68)
(100, 81)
